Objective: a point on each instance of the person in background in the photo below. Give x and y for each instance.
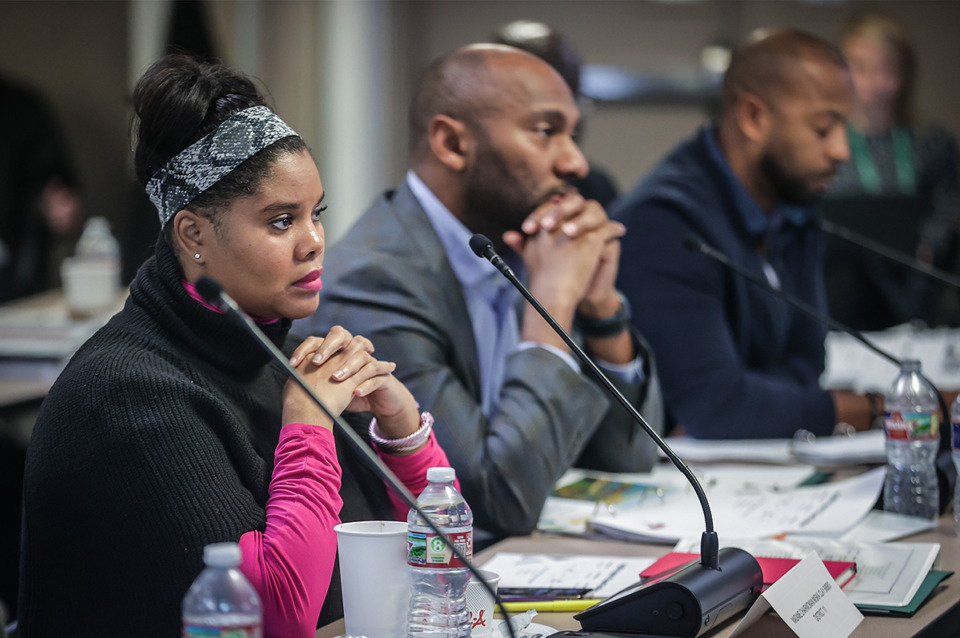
(735, 361)
(893, 156)
(171, 428)
(39, 192)
(40, 216)
(545, 43)
(492, 152)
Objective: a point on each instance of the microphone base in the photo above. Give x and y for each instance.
(686, 602)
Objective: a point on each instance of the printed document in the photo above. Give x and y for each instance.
(887, 573)
(829, 509)
(604, 575)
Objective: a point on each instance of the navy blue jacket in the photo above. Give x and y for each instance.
(735, 361)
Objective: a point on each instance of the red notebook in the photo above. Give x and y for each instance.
(772, 568)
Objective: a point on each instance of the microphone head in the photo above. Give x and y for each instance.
(693, 243)
(479, 244)
(209, 289)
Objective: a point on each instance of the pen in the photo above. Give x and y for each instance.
(578, 604)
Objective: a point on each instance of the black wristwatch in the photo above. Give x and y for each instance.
(608, 327)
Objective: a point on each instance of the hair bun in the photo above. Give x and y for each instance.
(231, 103)
(180, 99)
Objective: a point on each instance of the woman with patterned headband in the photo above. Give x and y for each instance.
(171, 429)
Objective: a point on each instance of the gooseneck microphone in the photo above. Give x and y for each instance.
(874, 246)
(483, 247)
(687, 602)
(697, 245)
(213, 293)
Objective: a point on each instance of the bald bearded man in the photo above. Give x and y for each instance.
(492, 152)
(736, 362)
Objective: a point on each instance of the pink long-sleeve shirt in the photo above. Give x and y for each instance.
(291, 561)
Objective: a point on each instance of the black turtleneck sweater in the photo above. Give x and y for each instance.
(157, 439)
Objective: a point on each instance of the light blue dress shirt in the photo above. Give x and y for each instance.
(492, 301)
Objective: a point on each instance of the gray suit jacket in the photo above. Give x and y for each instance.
(389, 280)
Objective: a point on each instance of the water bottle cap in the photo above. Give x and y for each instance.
(97, 224)
(222, 555)
(441, 474)
(910, 365)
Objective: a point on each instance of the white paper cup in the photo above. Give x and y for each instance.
(89, 285)
(480, 604)
(373, 575)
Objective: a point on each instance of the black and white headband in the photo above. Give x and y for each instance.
(206, 161)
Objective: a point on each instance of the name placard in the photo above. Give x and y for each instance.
(809, 601)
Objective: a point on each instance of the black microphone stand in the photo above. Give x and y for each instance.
(697, 245)
(709, 545)
(718, 589)
(885, 251)
(213, 293)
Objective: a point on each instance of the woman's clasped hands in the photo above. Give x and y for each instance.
(344, 373)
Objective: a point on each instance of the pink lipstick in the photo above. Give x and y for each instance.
(311, 281)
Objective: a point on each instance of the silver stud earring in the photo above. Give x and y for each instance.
(196, 255)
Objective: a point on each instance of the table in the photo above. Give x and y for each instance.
(851, 365)
(37, 336)
(939, 617)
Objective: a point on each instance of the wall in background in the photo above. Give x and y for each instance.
(662, 36)
(76, 52)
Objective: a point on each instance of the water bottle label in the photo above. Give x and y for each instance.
(234, 631)
(429, 550)
(912, 426)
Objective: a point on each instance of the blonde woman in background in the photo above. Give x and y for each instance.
(892, 155)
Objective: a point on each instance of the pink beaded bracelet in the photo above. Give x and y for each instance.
(406, 444)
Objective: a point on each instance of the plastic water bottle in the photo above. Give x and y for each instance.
(911, 422)
(438, 605)
(91, 278)
(955, 439)
(221, 602)
(96, 242)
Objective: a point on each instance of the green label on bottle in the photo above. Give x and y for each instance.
(233, 631)
(912, 426)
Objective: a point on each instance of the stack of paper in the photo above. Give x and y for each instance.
(603, 576)
(735, 450)
(772, 567)
(890, 576)
(46, 333)
(863, 447)
(825, 451)
(829, 509)
(581, 495)
(849, 364)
